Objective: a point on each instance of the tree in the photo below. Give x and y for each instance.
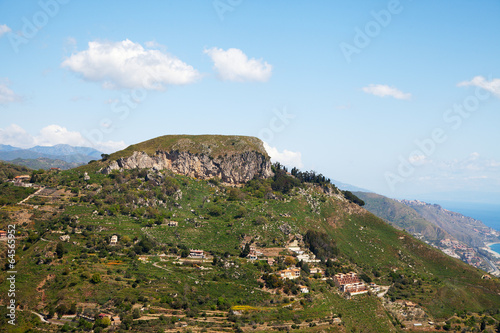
(62, 309)
(60, 250)
(245, 251)
(289, 261)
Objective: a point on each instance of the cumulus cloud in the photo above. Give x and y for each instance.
(6, 94)
(127, 64)
(492, 86)
(234, 65)
(16, 136)
(382, 90)
(4, 29)
(286, 157)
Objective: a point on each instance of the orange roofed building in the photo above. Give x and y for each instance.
(350, 283)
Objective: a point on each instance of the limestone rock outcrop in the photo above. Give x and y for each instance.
(231, 169)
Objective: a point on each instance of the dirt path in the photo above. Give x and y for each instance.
(31, 195)
(40, 289)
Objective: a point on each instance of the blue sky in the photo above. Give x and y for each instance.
(400, 97)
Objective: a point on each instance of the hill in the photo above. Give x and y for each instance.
(401, 216)
(463, 228)
(245, 237)
(9, 171)
(233, 159)
(45, 163)
(211, 145)
(455, 234)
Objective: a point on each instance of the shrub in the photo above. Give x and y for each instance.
(96, 278)
(215, 210)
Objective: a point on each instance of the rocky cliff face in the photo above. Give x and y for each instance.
(231, 169)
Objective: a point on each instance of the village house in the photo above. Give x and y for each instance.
(290, 273)
(409, 304)
(114, 240)
(350, 283)
(294, 247)
(196, 254)
(104, 315)
(22, 180)
(3, 234)
(115, 321)
(270, 261)
(316, 270)
(304, 289)
(173, 223)
(307, 258)
(254, 253)
(64, 238)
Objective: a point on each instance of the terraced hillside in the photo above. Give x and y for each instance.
(149, 279)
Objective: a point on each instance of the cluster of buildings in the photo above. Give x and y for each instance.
(22, 180)
(458, 250)
(300, 253)
(199, 254)
(350, 284)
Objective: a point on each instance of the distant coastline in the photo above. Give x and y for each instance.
(490, 250)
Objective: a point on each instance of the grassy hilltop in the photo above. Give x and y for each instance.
(148, 280)
(212, 145)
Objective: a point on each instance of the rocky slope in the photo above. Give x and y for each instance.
(233, 159)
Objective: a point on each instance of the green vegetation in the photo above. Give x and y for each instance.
(10, 194)
(151, 283)
(9, 171)
(401, 216)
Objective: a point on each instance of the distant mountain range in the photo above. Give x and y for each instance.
(46, 157)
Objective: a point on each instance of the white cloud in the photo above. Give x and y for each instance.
(234, 65)
(492, 86)
(4, 29)
(6, 94)
(382, 90)
(127, 64)
(55, 134)
(286, 157)
(16, 136)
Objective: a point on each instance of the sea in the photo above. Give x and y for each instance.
(489, 214)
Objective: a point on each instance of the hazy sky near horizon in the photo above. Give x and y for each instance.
(399, 97)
